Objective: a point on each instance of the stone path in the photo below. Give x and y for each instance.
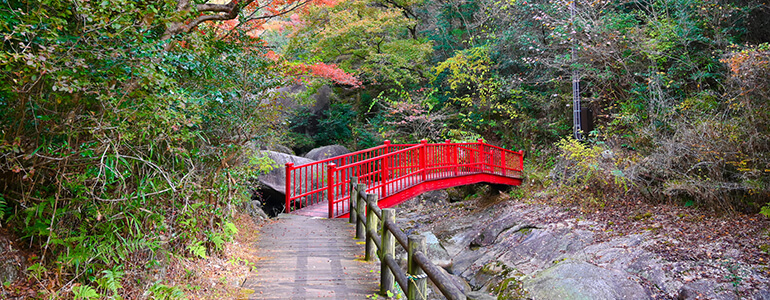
(311, 258)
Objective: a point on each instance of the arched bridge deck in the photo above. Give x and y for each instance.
(396, 173)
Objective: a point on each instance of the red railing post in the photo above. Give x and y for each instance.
(289, 168)
(502, 161)
(331, 168)
(447, 156)
(481, 155)
(385, 161)
(521, 160)
(423, 157)
(455, 159)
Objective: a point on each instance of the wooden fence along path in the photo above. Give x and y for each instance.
(311, 258)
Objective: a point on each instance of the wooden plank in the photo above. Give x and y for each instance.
(311, 258)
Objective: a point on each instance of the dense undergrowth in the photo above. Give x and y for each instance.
(121, 149)
(124, 125)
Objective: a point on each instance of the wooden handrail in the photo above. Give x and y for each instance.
(419, 269)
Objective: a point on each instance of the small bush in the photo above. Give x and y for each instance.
(590, 168)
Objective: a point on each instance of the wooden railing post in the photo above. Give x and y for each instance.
(371, 225)
(360, 209)
(353, 215)
(384, 169)
(387, 280)
(423, 158)
(521, 160)
(417, 279)
(289, 168)
(331, 169)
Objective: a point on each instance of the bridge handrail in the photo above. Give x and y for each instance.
(366, 216)
(313, 173)
(388, 165)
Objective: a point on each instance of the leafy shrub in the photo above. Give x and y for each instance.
(119, 145)
(335, 125)
(592, 169)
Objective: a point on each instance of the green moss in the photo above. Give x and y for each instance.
(641, 216)
(506, 284)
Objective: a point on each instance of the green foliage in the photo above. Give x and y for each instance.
(120, 144)
(765, 211)
(110, 281)
(196, 248)
(3, 208)
(592, 169)
(334, 126)
(159, 291)
(376, 38)
(85, 292)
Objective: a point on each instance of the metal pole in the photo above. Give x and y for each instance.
(575, 79)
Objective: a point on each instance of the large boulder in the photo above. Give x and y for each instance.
(582, 280)
(437, 254)
(325, 152)
(279, 148)
(272, 190)
(276, 179)
(258, 147)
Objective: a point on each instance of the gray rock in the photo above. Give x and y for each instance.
(706, 289)
(437, 254)
(581, 280)
(531, 250)
(762, 295)
(256, 148)
(280, 148)
(254, 209)
(10, 261)
(480, 295)
(489, 234)
(325, 152)
(276, 179)
(435, 197)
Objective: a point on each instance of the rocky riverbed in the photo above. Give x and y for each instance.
(499, 248)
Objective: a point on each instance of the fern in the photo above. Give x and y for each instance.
(161, 291)
(196, 248)
(85, 292)
(3, 207)
(765, 210)
(218, 241)
(37, 270)
(111, 280)
(230, 228)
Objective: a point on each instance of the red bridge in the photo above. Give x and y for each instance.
(396, 173)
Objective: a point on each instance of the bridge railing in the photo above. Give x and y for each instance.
(379, 228)
(389, 169)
